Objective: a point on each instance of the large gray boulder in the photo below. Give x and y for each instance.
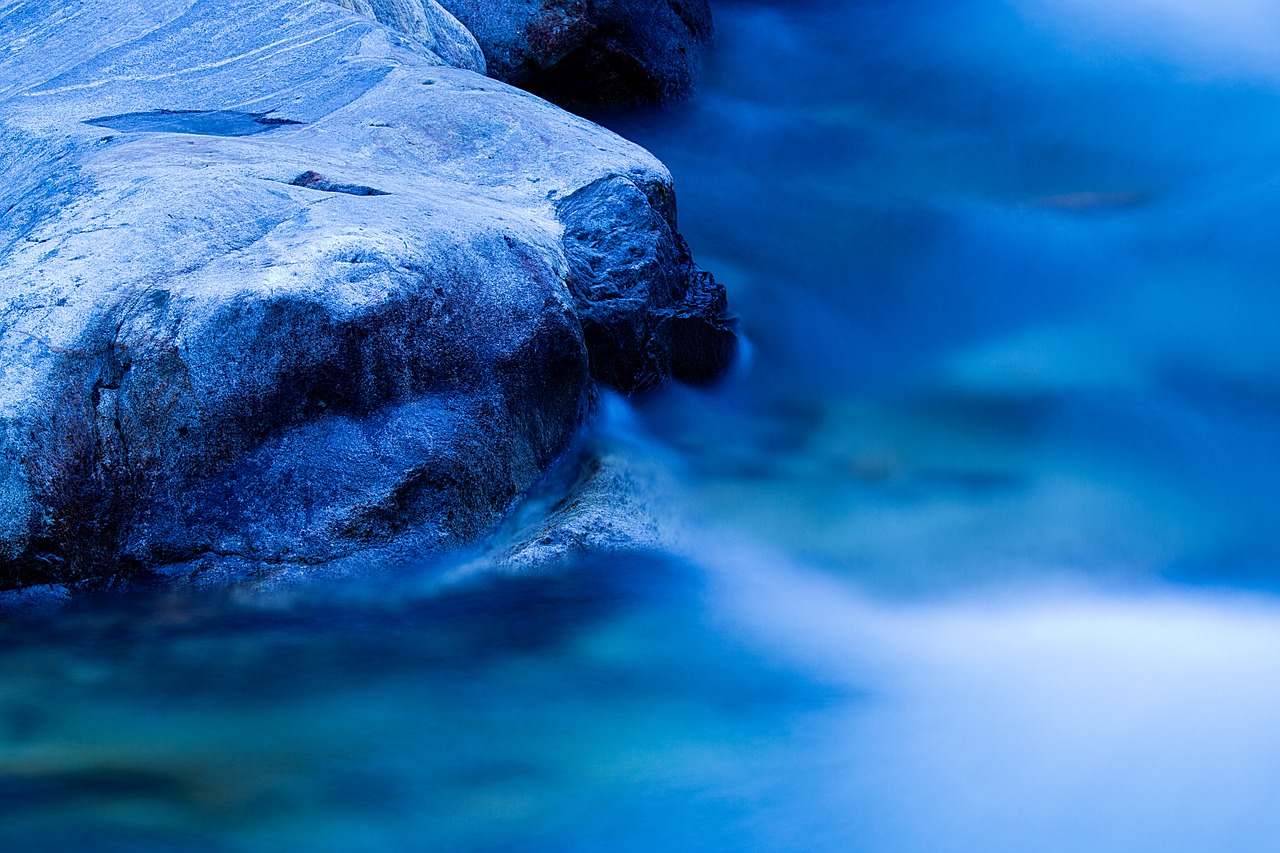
(277, 285)
(592, 53)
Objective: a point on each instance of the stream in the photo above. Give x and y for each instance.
(976, 549)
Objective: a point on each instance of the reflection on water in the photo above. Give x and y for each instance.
(977, 551)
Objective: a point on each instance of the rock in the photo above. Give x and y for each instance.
(429, 24)
(577, 53)
(647, 311)
(592, 53)
(278, 285)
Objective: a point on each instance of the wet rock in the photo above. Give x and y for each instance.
(648, 312)
(279, 285)
(592, 53)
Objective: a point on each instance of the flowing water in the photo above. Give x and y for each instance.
(976, 551)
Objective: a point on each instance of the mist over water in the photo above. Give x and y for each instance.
(976, 551)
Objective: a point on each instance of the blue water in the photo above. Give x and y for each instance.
(206, 122)
(974, 552)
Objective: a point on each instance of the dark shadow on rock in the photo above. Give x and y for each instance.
(317, 181)
(647, 310)
(584, 54)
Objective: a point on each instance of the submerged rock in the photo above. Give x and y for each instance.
(591, 53)
(278, 285)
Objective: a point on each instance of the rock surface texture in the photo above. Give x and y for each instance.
(279, 285)
(592, 53)
(427, 23)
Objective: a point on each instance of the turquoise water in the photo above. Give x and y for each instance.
(975, 551)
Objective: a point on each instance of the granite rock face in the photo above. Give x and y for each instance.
(428, 24)
(278, 284)
(592, 53)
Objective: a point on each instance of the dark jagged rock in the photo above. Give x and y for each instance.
(278, 286)
(592, 53)
(648, 312)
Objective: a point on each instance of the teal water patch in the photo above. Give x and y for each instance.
(541, 712)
